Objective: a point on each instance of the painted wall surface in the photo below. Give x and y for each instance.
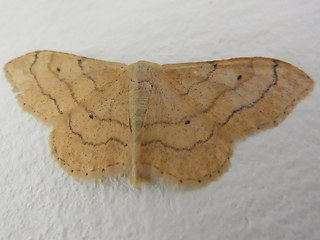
(272, 190)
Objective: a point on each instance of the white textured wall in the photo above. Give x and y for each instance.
(272, 190)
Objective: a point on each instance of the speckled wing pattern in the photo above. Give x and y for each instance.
(208, 105)
(186, 116)
(85, 100)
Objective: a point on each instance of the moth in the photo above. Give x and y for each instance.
(147, 121)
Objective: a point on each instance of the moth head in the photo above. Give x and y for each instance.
(144, 71)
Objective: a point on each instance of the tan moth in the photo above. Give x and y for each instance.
(145, 120)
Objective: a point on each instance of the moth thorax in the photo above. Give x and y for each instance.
(141, 84)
